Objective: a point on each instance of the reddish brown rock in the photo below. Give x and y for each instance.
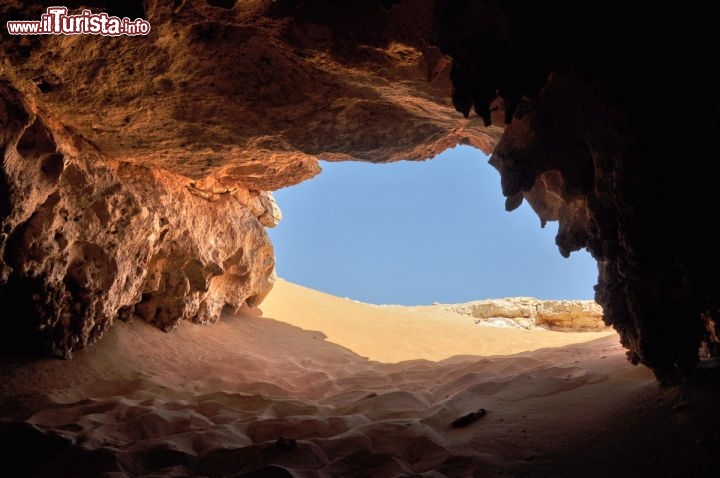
(137, 168)
(86, 239)
(248, 95)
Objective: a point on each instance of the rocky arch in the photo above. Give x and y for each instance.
(160, 151)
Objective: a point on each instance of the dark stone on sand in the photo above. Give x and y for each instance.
(468, 419)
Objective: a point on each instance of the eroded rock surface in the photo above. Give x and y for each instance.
(611, 129)
(86, 239)
(532, 313)
(136, 169)
(250, 94)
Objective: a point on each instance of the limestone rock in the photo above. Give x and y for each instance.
(85, 239)
(138, 170)
(606, 137)
(250, 95)
(570, 315)
(531, 313)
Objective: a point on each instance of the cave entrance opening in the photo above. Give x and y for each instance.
(414, 233)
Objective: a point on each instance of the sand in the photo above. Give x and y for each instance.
(311, 385)
(396, 333)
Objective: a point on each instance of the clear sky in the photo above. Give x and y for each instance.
(418, 232)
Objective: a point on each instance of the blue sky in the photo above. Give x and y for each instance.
(418, 232)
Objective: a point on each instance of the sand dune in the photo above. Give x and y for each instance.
(397, 333)
(318, 386)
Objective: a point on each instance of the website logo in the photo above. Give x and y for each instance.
(56, 21)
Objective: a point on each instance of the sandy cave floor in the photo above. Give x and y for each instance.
(318, 386)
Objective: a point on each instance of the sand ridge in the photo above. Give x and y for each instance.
(258, 396)
(396, 333)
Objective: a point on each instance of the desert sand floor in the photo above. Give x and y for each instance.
(317, 386)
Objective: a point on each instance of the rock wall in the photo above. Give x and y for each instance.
(531, 313)
(136, 169)
(86, 239)
(249, 94)
(610, 125)
(607, 129)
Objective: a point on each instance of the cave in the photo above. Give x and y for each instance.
(136, 189)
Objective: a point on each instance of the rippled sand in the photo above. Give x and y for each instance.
(319, 386)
